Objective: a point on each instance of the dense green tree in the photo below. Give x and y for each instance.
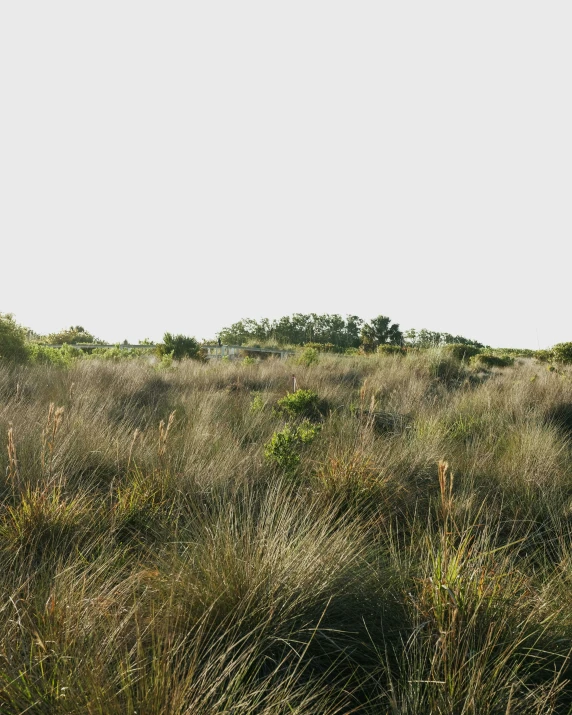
(429, 338)
(73, 335)
(12, 339)
(380, 331)
(297, 329)
(562, 352)
(181, 346)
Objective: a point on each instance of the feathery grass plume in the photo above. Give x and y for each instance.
(446, 489)
(12, 469)
(49, 435)
(164, 434)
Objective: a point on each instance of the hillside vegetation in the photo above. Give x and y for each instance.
(195, 538)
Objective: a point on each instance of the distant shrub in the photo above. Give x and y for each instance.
(461, 352)
(72, 336)
(562, 352)
(62, 357)
(390, 350)
(487, 360)
(114, 354)
(352, 351)
(515, 352)
(12, 339)
(165, 362)
(257, 404)
(181, 346)
(248, 360)
(302, 403)
(321, 347)
(309, 356)
(544, 355)
(284, 446)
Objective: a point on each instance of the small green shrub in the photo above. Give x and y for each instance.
(461, 352)
(302, 403)
(309, 356)
(62, 357)
(257, 404)
(487, 360)
(284, 446)
(115, 354)
(562, 352)
(12, 339)
(166, 361)
(544, 355)
(249, 360)
(72, 336)
(321, 347)
(181, 346)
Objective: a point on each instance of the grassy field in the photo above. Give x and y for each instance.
(396, 539)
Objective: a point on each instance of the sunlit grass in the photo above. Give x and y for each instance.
(156, 558)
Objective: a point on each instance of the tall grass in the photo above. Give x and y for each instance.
(154, 560)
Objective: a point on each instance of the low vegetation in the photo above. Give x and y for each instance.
(391, 535)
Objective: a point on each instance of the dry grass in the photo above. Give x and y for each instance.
(153, 561)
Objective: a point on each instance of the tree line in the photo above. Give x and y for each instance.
(334, 330)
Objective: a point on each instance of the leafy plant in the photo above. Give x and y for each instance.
(302, 403)
(181, 346)
(460, 351)
(72, 336)
(380, 331)
(488, 360)
(284, 446)
(544, 355)
(309, 356)
(562, 352)
(12, 339)
(257, 404)
(62, 357)
(321, 347)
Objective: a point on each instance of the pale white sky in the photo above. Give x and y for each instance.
(181, 165)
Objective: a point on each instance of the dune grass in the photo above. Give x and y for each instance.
(414, 556)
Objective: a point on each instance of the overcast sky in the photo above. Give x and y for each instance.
(181, 165)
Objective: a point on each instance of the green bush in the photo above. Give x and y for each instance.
(487, 360)
(562, 352)
(461, 352)
(116, 353)
(181, 346)
(544, 355)
(257, 404)
(166, 361)
(321, 347)
(302, 403)
(72, 336)
(284, 446)
(309, 356)
(62, 357)
(12, 339)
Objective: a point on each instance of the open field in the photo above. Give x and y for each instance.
(397, 540)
